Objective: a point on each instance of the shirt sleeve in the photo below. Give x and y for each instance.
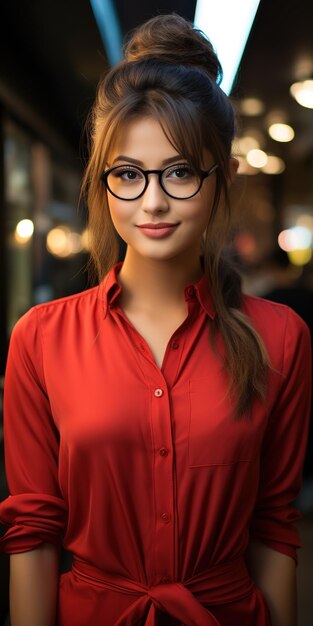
(284, 446)
(35, 512)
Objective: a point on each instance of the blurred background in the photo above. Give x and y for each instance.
(52, 56)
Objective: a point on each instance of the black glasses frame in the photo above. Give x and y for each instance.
(203, 175)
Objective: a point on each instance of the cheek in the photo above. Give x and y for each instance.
(117, 211)
(198, 212)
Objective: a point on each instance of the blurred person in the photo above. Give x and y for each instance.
(156, 424)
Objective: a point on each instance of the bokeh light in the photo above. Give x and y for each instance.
(251, 106)
(257, 158)
(281, 132)
(62, 242)
(300, 257)
(303, 93)
(274, 165)
(295, 238)
(24, 231)
(246, 143)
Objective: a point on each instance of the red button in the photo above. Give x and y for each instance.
(165, 518)
(163, 452)
(175, 345)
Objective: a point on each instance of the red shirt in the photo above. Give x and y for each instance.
(140, 470)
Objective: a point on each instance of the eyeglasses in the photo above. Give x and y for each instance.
(179, 181)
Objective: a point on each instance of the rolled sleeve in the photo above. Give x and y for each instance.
(35, 511)
(284, 446)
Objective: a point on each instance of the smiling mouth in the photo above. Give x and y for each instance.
(158, 231)
(159, 225)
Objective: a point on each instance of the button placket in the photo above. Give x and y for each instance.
(163, 482)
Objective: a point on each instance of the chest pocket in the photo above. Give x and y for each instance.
(214, 437)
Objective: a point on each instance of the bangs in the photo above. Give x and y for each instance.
(178, 118)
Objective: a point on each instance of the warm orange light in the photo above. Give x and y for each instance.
(24, 231)
(281, 132)
(303, 93)
(251, 106)
(274, 165)
(63, 242)
(257, 158)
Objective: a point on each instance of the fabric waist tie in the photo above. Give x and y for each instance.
(223, 583)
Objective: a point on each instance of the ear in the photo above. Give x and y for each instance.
(232, 169)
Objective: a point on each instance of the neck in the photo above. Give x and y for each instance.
(150, 284)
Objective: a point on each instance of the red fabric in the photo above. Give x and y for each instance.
(140, 470)
(225, 583)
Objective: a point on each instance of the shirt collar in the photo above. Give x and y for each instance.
(110, 289)
(200, 290)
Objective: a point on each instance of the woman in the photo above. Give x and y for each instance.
(156, 424)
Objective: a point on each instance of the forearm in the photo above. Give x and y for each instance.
(275, 574)
(34, 586)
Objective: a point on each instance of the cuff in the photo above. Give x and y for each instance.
(33, 519)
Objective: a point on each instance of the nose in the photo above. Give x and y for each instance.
(154, 200)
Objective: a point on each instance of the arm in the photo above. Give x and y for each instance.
(274, 538)
(35, 513)
(275, 574)
(33, 586)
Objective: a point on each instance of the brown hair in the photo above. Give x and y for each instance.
(171, 72)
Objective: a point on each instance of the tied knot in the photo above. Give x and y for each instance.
(181, 601)
(176, 600)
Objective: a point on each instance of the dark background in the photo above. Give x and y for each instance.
(52, 57)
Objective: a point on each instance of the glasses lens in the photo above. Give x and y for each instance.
(181, 181)
(126, 182)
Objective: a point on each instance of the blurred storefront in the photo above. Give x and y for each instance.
(44, 227)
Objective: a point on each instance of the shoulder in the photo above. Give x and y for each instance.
(85, 297)
(280, 327)
(269, 314)
(73, 309)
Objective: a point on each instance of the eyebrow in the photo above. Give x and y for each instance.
(122, 157)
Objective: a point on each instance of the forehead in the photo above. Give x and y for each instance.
(141, 135)
(144, 139)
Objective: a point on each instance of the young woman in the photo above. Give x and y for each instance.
(156, 424)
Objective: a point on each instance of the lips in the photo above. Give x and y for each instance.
(158, 231)
(159, 225)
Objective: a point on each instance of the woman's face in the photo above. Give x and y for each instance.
(144, 141)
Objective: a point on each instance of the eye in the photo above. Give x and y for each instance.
(180, 172)
(127, 173)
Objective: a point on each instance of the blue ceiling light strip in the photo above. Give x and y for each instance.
(227, 24)
(108, 26)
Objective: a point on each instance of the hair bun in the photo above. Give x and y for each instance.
(172, 39)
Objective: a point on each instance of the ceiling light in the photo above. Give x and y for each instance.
(251, 106)
(274, 165)
(228, 36)
(105, 14)
(303, 93)
(281, 132)
(257, 158)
